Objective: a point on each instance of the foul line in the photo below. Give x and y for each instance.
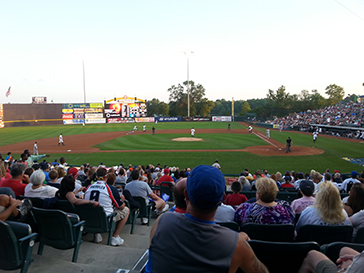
(261, 136)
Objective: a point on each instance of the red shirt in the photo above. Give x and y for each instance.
(235, 199)
(286, 185)
(16, 185)
(165, 178)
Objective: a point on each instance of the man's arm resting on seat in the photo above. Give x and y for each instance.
(159, 202)
(245, 258)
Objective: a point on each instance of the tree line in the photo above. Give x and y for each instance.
(277, 102)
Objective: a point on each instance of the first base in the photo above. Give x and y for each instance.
(68, 150)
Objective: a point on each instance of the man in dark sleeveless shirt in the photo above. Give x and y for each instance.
(193, 242)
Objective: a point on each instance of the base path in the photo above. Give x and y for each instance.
(83, 144)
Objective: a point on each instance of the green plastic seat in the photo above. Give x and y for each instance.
(59, 230)
(133, 215)
(145, 210)
(167, 188)
(324, 234)
(16, 244)
(96, 220)
(232, 225)
(332, 250)
(65, 206)
(270, 233)
(270, 254)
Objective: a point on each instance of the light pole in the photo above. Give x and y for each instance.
(188, 81)
(84, 87)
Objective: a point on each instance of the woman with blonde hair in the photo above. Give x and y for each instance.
(266, 210)
(327, 209)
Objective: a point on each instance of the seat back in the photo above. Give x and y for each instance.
(37, 202)
(144, 213)
(55, 228)
(324, 234)
(232, 225)
(271, 233)
(287, 196)
(270, 254)
(359, 237)
(249, 194)
(332, 250)
(95, 217)
(10, 254)
(65, 206)
(167, 188)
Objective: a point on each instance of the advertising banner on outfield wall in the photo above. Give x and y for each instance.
(196, 119)
(94, 120)
(120, 120)
(94, 115)
(82, 105)
(73, 121)
(168, 119)
(144, 119)
(222, 118)
(1, 116)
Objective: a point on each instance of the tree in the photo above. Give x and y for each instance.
(204, 107)
(279, 101)
(245, 108)
(336, 93)
(178, 98)
(157, 108)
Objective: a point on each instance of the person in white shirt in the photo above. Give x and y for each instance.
(144, 128)
(60, 140)
(36, 188)
(216, 164)
(35, 149)
(347, 182)
(267, 133)
(193, 132)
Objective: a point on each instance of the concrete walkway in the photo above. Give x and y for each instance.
(97, 258)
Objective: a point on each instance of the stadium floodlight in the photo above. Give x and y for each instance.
(188, 54)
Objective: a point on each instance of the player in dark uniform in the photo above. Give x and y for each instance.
(288, 144)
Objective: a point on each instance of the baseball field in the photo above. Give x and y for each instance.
(236, 149)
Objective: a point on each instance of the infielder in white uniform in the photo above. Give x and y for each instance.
(35, 149)
(60, 140)
(193, 132)
(267, 133)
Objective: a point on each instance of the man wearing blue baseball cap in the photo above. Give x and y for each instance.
(193, 242)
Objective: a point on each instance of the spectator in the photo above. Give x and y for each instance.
(61, 174)
(355, 201)
(179, 197)
(200, 245)
(349, 182)
(327, 209)
(110, 200)
(350, 261)
(32, 158)
(235, 198)
(306, 188)
(36, 188)
(9, 208)
(17, 177)
(142, 189)
(265, 210)
(121, 178)
(165, 178)
(45, 168)
(287, 182)
(244, 183)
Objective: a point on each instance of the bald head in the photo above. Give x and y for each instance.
(178, 192)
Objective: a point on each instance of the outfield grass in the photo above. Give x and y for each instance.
(231, 162)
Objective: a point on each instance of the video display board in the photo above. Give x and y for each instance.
(79, 113)
(121, 109)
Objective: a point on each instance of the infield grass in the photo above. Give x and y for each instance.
(232, 162)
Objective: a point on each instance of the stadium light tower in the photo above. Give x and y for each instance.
(84, 86)
(188, 54)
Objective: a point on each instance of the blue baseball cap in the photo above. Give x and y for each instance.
(205, 186)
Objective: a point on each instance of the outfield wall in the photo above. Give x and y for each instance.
(15, 115)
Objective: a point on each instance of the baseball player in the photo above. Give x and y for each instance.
(60, 139)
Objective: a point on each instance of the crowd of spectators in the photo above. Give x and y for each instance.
(320, 203)
(344, 114)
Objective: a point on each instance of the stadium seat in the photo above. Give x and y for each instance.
(59, 230)
(332, 250)
(324, 234)
(167, 188)
(359, 237)
(7, 191)
(133, 215)
(145, 210)
(287, 196)
(232, 225)
(96, 220)
(282, 257)
(37, 202)
(270, 233)
(65, 205)
(16, 244)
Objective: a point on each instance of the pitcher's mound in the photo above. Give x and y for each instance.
(187, 139)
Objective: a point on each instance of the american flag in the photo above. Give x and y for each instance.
(8, 92)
